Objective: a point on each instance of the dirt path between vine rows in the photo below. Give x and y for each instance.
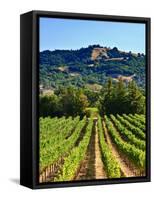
(127, 168)
(92, 166)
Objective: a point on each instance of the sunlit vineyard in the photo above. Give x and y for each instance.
(97, 147)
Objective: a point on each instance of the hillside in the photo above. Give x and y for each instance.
(91, 65)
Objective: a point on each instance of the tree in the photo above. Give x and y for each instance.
(73, 101)
(120, 98)
(107, 97)
(93, 97)
(49, 106)
(136, 100)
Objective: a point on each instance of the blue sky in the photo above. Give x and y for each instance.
(74, 34)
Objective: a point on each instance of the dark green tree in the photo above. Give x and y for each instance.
(136, 100)
(49, 105)
(107, 97)
(73, 101)
(120, 98)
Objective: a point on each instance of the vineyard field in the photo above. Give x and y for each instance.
(96, 147)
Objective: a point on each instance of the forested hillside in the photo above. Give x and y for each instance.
(89, 66)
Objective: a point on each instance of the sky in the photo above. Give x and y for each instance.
(74, 34)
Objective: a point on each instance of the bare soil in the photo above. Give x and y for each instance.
(92, 166)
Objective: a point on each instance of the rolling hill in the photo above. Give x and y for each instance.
(90, 65)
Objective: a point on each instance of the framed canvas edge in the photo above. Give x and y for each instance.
(35, 92)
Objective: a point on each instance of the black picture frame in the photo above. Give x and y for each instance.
(29, 93)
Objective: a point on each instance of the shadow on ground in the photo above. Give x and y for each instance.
(15, 180)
